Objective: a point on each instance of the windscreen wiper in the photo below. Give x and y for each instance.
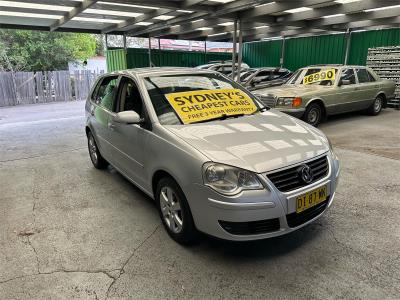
(221, 117)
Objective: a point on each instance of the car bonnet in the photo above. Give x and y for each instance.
(289, 90)
(260, 143)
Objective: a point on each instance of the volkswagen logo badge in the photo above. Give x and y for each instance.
(306, 174)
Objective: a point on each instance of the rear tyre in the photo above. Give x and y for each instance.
(376, 106)
(175, 212)
(313, 114)
(98, 161)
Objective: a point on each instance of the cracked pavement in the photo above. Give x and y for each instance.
(71, 231)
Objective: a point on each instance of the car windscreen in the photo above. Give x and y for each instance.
(319, 76)
(199, 93)
(295, 77)
(245, 75)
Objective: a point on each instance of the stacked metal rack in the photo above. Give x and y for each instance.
(385, 61)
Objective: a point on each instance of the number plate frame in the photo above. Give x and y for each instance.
(311, 198)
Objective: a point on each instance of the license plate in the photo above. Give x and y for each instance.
(311, 199)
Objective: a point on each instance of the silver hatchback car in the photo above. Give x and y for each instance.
(212, 157)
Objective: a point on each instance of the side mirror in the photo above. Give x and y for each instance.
(128, 117)
(344, 82)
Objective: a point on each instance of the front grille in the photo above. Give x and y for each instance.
(269, 101)
(296, 219)
(253, 227)
(289, 179)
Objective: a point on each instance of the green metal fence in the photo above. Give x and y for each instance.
(322, 49)
(116, 60)
(361, 41)
(260, 54)
(299, 52)
(119, 59)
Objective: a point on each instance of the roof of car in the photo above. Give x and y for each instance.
(334, 65)
(159, 71)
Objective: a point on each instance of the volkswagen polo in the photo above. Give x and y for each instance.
(212, 157)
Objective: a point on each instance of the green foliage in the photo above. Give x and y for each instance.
(43, 51)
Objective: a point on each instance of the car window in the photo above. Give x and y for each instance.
(362, 75)
(160, 86)
(348, 74)
(371, 77)
(129, 97)
(262, 76)
(105, 95)
(245, 75)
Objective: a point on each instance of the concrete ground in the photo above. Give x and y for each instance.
(69, 231)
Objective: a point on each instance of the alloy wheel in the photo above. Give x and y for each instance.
(378, 104)
(92, 149)
(313, 116)
(171, 209)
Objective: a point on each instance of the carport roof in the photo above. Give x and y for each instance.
(200, 19)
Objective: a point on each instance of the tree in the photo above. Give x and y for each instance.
(43, 51)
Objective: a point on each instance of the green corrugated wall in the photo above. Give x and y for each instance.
(137, 58)
(261, 54)
(299, 52)
(116, 60)
(322, 49)
(361, 41)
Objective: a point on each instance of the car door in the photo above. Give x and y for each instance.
(101, 108)
(130, 140)
(368, 88)
(345, 97)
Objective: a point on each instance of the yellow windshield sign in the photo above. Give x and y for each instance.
(195, 106)
(320, 76)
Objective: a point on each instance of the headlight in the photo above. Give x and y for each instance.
(289, 101)
(229, 180)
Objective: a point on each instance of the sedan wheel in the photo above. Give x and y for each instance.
(313, 114)
(92, 149)
(376, 106)
(175, 212)
(171, 209)
(98, 161)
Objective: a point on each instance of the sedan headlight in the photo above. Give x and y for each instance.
(229, 180)
(289, 101)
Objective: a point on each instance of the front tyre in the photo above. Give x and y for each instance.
(313, 114)
(376, 106)
(98, 161)
(175, 212)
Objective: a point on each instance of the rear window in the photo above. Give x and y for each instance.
(362, 75)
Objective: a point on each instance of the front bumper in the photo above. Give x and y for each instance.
(212, 211)
(295, 112)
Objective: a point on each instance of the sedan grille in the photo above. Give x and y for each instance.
(253, 227)
(290, 179)
(269, 100)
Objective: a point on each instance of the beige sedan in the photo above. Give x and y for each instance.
(315, 92)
